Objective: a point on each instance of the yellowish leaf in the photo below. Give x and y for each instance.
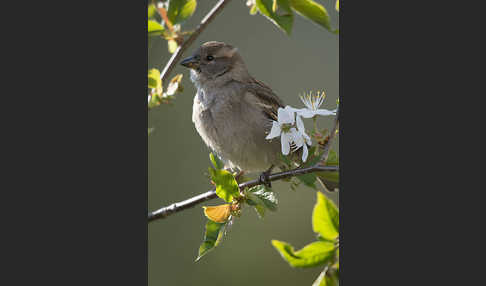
(219, 213)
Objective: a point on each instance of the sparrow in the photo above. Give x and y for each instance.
(232, 111)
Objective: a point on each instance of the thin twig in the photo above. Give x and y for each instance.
(178, 53)
(177, 207)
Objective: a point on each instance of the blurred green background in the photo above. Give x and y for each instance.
(178, 158)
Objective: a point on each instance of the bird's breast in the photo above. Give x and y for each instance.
(234, 129)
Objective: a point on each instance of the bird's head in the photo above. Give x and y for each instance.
(215, 61)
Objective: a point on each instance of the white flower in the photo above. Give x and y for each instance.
(282, 128)
(312, 103)
(289, 134)
(304, 138)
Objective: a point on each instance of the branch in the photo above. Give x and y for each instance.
(177, 207)
(178, 53)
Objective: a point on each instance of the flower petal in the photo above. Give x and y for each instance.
(306, 113)
(286, 115)
(300, 124)
(285, 139)
(325, 112)
(307, 139)
(305, 153)
(275, 132)
(297, 137)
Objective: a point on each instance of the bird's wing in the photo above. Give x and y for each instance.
(268, 100)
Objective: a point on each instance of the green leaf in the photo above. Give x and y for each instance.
(212, 237)
(226, 185)
(313, 11)
(308, 180)
(217, 163)
(253, 10)
(154, 28)
(263, 196)
(152, 11)
(260, 210)
(154, 80)
(325, 218)
(332, 158)
(180, 10)
(283, 17)
(313, 254)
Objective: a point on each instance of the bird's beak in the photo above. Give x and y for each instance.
(190, 62)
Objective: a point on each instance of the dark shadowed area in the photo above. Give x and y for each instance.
(178, 159)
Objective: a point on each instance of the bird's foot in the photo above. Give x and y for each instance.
(264, 177)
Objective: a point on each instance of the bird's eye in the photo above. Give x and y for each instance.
(210, 58)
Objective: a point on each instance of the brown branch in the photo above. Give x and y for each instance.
(177, 207)
(178, 53)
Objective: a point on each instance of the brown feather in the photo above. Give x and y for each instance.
(269, 101)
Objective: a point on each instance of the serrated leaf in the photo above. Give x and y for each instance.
(325, 218)
(313, 254)
(226, 185)
(283, 17)
(212, 237)
(154, 28)
(264, 195)
(154, 80)
(180, 10)
(217, 163)
(313, 11)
